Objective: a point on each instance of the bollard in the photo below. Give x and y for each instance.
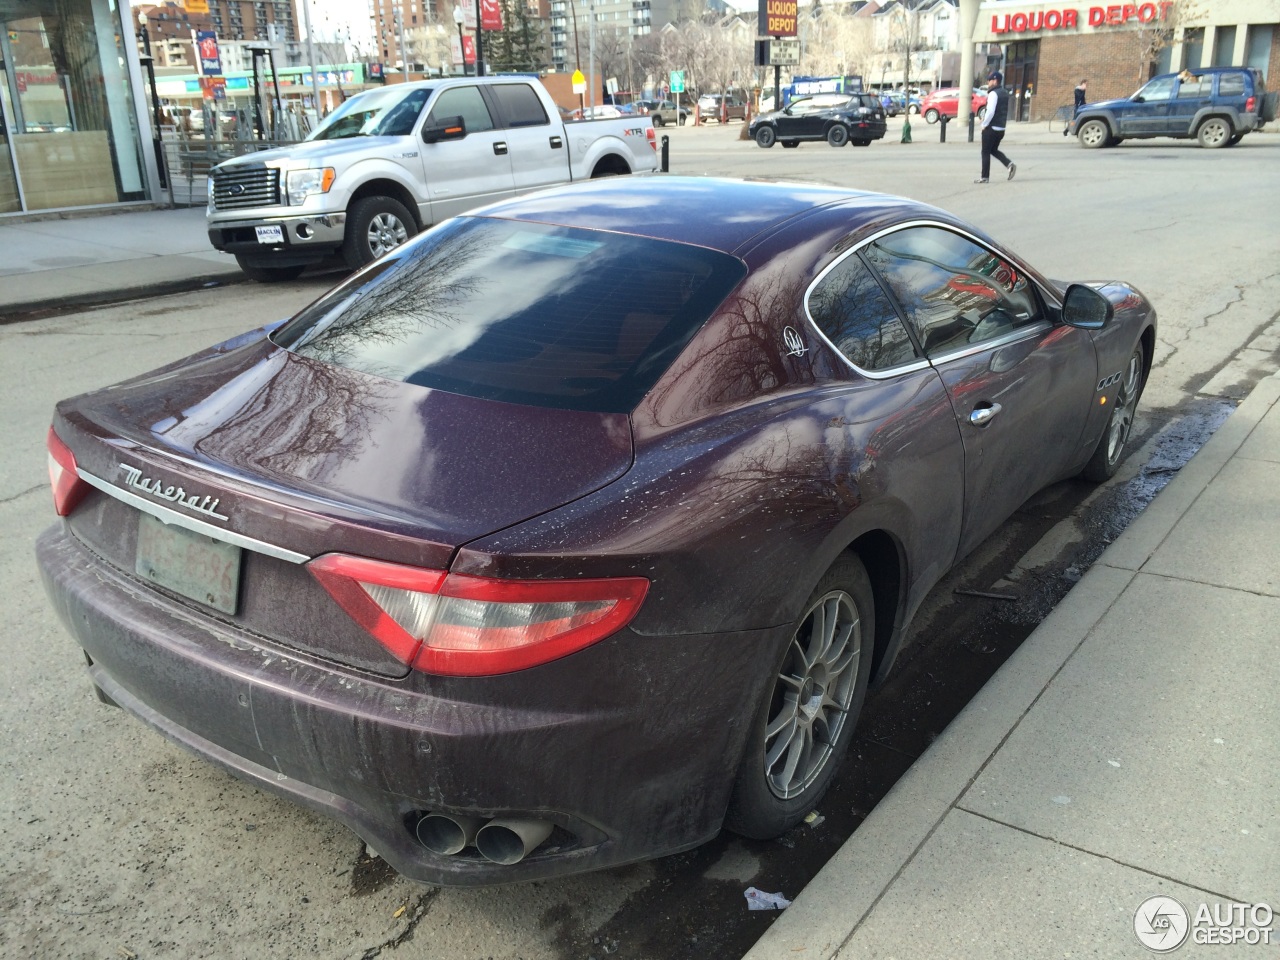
(942, 128)
(666, 153)
(971, 128)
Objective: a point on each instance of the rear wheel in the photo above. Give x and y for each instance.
(1093, 134)
(838, 135)
(861, 143)
(268, 274)
(683, 118)
(790, 144)
(931, 115)
(1236, 138)
(375, 225)
(1106, 457)
(811, 705)
(766, 136)
(1214, 132)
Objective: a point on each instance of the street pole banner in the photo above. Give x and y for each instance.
(490, 15)
(210, 61)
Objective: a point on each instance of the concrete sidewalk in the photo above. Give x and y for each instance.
(52, 264)
(1127, 750)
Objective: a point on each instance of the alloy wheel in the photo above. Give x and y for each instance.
(386, 232)
(812, 694)
(1126, 406)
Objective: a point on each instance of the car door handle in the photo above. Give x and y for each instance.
(500, 148)
(556, 143)
(984, 413)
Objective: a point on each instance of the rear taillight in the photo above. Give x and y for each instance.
(1250, 104)
(461, 626)
(652, 138)
(68, 488)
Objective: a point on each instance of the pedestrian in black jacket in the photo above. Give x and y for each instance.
(1080, 97)
(993, 127)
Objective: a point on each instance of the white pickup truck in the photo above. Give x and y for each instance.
(393, 161)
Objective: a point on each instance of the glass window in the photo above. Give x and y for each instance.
(520, 312)
(849, 306)
(379, 113)
(1195, 88)
(465, 102)
(955, 293)
(1161, 88)
(1231, 85)
(520, 105)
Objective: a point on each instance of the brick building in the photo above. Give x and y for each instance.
(1050, 47)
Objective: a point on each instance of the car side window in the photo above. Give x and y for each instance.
(1231, 85)
(852, 310)
(955, 292)
(465, 102)
(520, 105)
(1160, 88)
(1197, 88)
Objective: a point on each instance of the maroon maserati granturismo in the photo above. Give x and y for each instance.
(577, 528)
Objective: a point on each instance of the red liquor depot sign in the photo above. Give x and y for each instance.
(1071, 18)
(778, 18)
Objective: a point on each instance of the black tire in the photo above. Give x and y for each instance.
(1093, 134)
(766, 136)
(982, 113)
(861, 143)
(1236, 138)
(683, 118)
(931, 115)
(1110, 450)
(914, 108)
(657, 120)
(790, 144)
(268, 274)
(838, 135)
(1215, 132)
(375, 225)
(769, 798)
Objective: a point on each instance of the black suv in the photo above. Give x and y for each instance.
(1216, 105)
(856, 119)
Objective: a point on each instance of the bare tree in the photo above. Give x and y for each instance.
(1159, 35)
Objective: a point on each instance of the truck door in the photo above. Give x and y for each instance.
(466, 173)
(536, 144)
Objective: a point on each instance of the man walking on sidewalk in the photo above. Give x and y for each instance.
(993, 128)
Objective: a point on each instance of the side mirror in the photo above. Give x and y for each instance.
(1139, 98)
(1086, 308)
(446, 128)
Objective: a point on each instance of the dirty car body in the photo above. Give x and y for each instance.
(576, 529)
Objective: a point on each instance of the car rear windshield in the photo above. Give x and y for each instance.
(520, 312)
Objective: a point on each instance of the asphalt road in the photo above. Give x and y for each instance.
(120, 845)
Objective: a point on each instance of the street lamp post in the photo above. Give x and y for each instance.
(148, 61)
(458, 17)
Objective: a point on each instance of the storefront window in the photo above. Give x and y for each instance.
(70, 130)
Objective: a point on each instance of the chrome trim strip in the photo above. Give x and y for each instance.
(922, 362)
(166, 515)
(1013, 336)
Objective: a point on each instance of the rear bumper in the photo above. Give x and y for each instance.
(306, 239)
(629, 747)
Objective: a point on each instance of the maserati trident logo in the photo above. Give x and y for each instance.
(794, 342)
(192, 501)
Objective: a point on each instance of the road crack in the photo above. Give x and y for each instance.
(419, 911)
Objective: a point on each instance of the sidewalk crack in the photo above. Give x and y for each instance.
(24, 493)
(1103, 856)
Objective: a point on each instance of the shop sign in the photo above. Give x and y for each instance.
(210, 61)
(778, 18)
(1116, 15)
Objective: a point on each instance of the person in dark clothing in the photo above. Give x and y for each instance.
(993, 128)
(1080, 98)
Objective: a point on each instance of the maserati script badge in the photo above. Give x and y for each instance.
(192, 501)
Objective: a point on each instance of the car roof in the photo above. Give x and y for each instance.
(717, 213)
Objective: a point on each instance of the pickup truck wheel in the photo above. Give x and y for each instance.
(931, 115)
(838, 135)
(268, 274)
(375, 225)
(657, 120)
(1214, 133)
(766, 136)
(1093, 134)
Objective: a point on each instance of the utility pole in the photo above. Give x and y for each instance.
(311, 58)
(404, 52)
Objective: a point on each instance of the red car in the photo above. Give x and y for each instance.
(945, 102)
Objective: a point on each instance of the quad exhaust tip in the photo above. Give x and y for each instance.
(502, 841)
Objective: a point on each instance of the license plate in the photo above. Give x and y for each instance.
(270, 234)
(188, 563)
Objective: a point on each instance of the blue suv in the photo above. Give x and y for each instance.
(1216, 105)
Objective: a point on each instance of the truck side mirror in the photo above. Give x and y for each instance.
(446, 128)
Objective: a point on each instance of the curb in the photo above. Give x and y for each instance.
(49, 307)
